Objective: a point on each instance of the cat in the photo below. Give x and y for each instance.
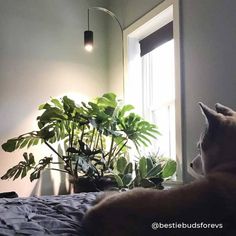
(206, 206)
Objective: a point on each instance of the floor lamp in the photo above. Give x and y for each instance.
(88, 35)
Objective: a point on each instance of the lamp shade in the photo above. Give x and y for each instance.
(88, 40)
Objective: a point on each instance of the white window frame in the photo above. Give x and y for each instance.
(149, 23)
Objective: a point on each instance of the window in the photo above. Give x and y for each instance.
(152, 82)
(158, 95)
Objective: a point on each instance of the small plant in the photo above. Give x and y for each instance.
(147, 172)
(95, 135)
(123, 172)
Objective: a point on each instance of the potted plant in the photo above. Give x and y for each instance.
(146, 172)
(94, 134)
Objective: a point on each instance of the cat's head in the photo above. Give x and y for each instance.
(217, 144)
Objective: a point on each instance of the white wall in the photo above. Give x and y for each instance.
(209, 55)
(42, 55)
(127, 12)
(208, 58)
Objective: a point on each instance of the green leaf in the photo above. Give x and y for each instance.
(127, 179)
(24, 143)
(145, 183)
(31, 142)
(111, 97)
(68, 105)
(104, 102)
(57, 103)
(10, 145)
(149, 164)
(17, 173)
(118, 180)
(31, 159)
(121, 164)
(156, 180)
(19, 142)
(34, 175)
(143, 167)
(109, 110)
(169, 169)
(128, 168)
(44, 106)
(24, 172)
(36, 141)
(10, 173)
(140, 140)
(144, 138)
(45, 133)
(124, 109)
(155, 171)
(25, 155)
(53, 113)
(40, 124)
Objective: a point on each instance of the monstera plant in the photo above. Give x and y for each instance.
(94, 136)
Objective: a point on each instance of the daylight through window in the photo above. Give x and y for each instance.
(158, 90)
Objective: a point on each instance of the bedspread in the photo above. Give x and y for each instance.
(45, 215)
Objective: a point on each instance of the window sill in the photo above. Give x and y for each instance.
(172, 184)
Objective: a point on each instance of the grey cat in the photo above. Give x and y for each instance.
(206, 206)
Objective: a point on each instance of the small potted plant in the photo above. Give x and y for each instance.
(94, 134)
(146, 172)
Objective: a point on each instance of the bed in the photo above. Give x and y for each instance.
(45, 215)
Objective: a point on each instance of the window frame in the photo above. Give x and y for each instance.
(152, 102)
(156, 18)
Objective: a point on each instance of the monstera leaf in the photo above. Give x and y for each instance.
(137, 129)
(95, 134)
(29, 164)
(25, 140)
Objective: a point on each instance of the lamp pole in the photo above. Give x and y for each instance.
(88, 37)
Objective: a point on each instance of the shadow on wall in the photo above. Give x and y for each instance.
(46, 185)
(51, 183)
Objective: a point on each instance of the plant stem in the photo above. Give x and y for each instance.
(92, 139)
(72, 134)
(71, 145)
(33, 133)
(121, 148)
(114, 148)
(136, 146)
(53, 149)
(69, 132)
(110, 152)
(100, 136)
(97, 140)
(82, 134)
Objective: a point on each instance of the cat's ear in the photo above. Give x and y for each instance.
(212, 117)
(226, 111)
